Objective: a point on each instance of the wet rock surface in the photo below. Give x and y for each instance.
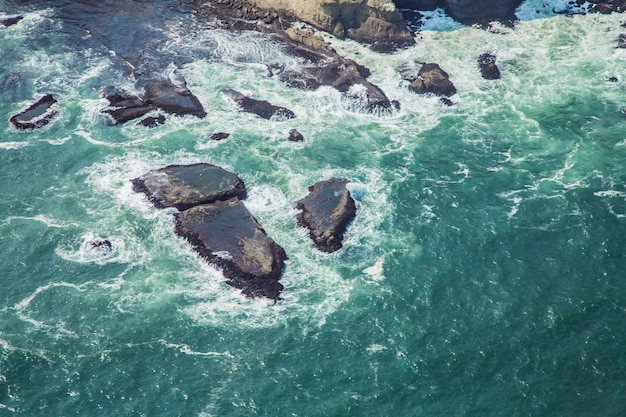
(227, 235)
(219, 136)
(216, 223)
(295, 136)
(37, 115)
(326, 211)
(185, 186)
(261, 108)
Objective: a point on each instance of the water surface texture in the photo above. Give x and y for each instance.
(484, 274)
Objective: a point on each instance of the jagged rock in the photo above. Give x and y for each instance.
(152, 121)
(157, 94)
(219, 136)
(621, 41)
(225, 234)
(326, 212)
(381, 35)
(432, 79)
(261, 108)
(295, 136)
(488, 68)
(185, 186)
(10, 20)
(36, 115)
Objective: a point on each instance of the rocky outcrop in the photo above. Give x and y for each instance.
(487, 65)
(185, 186)
(219, 136)
(227, 235)
(326, 212)
(430, 79)
(152, 121)
(376, 22)
(37, 115)
(160, 94)
(215, 222)
(98, 246)
(261, 108)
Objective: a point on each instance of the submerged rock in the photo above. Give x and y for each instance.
(185, 186)
(432, 79)
(225, 234)
(157, 94)
(488, 68)
(326, 212)
(36, 115)
(261, 108)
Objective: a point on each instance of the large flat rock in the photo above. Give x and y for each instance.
(225, 234)
(185, 186)
(326, 212)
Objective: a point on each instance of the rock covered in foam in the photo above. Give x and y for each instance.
(185, 186)
(36, 115)
(326, 211)
(225, 234)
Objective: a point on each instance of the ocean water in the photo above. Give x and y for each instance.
(484, 274)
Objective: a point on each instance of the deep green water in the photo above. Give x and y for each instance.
(484, 274)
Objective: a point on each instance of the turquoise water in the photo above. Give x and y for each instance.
(483, 274)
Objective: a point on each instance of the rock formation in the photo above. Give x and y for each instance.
(261, 108)
(157, 94)
(37, 115)
(295, 136)
(376, 22)
(215, 222)
(430, 79)
(225, 234)
(326, 212)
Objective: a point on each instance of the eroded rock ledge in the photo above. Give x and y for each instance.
(36, 115)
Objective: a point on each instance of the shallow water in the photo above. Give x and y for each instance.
(483, 274)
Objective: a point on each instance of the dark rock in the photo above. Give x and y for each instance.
(488, 68)
(185, 186)
(482, 12)
(99, 246)
(152, 121)
(261, 108)
(326, 212)
(219, 136)
(613, 79)
(225, 234)
(432, 79)
(10, 20)
(295, 136)
(621, 41)
(36, 115)
(157, 94)
(446, 101)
